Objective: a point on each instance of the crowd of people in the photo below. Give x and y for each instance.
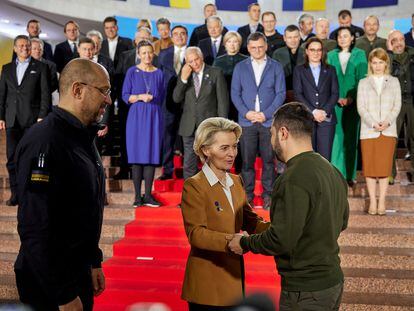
(165, 87)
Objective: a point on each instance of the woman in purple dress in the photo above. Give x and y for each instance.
(144, 91)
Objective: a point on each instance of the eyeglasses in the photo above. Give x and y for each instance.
(315, 50)
(105, 93)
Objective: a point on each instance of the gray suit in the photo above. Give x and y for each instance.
(212, 101)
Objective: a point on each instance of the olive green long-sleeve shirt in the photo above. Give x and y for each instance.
(309, 210)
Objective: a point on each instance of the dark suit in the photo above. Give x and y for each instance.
(54, 83)
(171, 110)
(212, 101)
(244, 31)
(199, 33)
(21, 105)
(63, 55)
(409, 41)
(206, 46)
(124, 44)
(322, 96)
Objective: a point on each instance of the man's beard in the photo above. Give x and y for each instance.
(278, 151)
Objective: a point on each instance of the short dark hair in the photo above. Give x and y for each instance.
(255, 36)
(209, 4)
(144, 43)
(70, 22)
(86, 40)
(309, 42)
(163, 21)
(21, 37)
(291, 28)
(180, 26)
(344, 13)
(32, 21)
(252, 5)
(296, 117)
(269, 13)
(110, 19)
(352, 34)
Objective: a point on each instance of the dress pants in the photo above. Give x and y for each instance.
(257, 138)
(190, 158)
(322, 139)
(322, 300)
(406, 117)
(171, 123)
(13, 137)
(33, 294)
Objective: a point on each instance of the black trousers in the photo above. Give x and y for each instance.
(257, 138)
(190, 158)
(13, 137)
(322, 300)
(322, 139)
(123, 110)
(197, 307)
(171, 123)
(32, 293)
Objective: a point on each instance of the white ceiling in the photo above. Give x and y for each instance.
(14, 17)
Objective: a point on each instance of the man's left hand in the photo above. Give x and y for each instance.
(103, 132)
(98, 281)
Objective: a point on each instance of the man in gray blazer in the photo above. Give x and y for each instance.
(202, 90)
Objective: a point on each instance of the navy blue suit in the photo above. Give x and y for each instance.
(206, 46)
(63, 55)
(256, 136)
(409, 41)
(323, 96)
(171, 110)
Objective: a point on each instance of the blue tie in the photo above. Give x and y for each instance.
(214, 48)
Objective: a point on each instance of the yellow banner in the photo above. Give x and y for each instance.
(181, 4)
(314, 5)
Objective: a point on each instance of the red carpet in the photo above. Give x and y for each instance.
(158, 233)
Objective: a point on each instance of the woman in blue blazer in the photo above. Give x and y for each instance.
(316, 85)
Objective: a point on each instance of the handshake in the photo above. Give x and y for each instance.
(234, 242)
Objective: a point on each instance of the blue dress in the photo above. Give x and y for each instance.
(144, 127)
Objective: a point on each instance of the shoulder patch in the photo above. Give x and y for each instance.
(40, 172)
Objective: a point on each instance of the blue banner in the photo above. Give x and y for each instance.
(232, 5)
(357, 4)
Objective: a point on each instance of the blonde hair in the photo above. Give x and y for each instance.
(381, 54)
(232, 34)
(143, 22)
(206, 131)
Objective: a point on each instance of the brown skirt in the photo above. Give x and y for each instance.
(377, 156)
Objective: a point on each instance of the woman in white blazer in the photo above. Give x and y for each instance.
(379, 103)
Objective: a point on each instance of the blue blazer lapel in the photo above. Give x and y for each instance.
(309, 75)
(322, 77)
(251, 71)
(267, 66)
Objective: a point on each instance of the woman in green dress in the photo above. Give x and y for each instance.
(351, 66)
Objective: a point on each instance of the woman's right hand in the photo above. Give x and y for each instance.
(146, 97)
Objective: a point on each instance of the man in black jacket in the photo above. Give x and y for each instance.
(59, 262)
(251, 27)
(67, 50)
(114, 45)
(200, 32)
(24, 100)
(345, 20)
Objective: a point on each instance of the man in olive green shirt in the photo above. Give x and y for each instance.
(308, 212)
(370, 40)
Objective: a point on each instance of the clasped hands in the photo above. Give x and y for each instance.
(141, 97)
(319, 115)
(381, 126)
(234, 242)
(254, 117)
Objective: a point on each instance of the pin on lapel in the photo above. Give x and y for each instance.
(218, 207)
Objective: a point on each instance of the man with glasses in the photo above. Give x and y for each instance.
(257, 96)
(67, 50)
(274, 38)
(25, 99)
(61, 184)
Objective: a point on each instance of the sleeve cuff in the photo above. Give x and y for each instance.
(244, 243)
(184, 81)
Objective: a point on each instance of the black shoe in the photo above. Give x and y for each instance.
(12, 201)
(138, 202)
(150, 201)
(410, 176)
(267, 201)
(407, 157)
(122, 174)
(165, 177)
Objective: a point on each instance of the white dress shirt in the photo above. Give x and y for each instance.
(213, 179)
(182, 52)
(112, 47)
(258, 69)
(218, 41)
(343, 59)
